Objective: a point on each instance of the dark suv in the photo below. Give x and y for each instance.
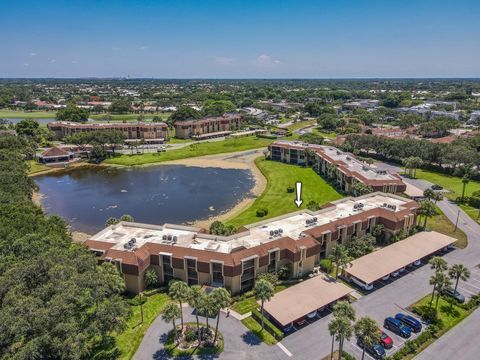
(397, 327)
(375, 350)
(410, 321)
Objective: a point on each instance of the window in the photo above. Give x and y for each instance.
(248, 274)
(217, 274)
(192, 275)
(272, 261)
(167, 268)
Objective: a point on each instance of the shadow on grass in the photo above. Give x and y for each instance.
(450, 311)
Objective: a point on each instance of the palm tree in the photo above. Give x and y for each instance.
(465, 181)
(429, 194)
(366, 329)
(222, 300)
(195, 296)
(340, 257)
(179, 291)
(443, 282)
(427, 209)
(437, 196)
(207, 307)
(438, 264)
(169, 313)
(457, 272)
(263, 291)
(435, 279)
(335, 327)
(344, 309)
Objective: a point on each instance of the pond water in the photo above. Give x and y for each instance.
(40, 121)
(87, 197)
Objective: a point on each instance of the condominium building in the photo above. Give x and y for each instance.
(207, 127)
(342, 167)
(154, 132)
(297, 240)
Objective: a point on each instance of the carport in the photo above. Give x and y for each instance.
(299, 300)
(413, 192)
(392, 258)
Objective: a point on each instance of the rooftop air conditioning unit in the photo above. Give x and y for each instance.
(164, 237)
(271, 233)
(175, 239)
(280, 231)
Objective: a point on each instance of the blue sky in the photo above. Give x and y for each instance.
(238, 39)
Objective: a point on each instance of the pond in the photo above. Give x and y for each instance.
(87, 197)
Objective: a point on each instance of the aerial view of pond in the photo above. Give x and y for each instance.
(87, 197)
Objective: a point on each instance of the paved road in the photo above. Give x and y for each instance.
(313, 341)
(240, 343)
(460, 343)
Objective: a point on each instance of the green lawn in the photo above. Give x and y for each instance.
(194, 150)
(451, 183)
(129, 340)
(256, 329)
(454, 185)
(442, 224)
(275, 197)
(4, 113)
(301, 124)
(36, 167)
(119, 117)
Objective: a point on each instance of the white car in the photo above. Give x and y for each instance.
(386, 277)
(417, 263)
(395, 273)
(312, 315)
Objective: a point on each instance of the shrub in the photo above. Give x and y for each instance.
(190, 335)
(137, 300)
(290, 189)
(269, 327)
(151, 279)
(262, 212)
(326, 265)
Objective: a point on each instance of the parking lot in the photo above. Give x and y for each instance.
(398, 341)
(471, 286)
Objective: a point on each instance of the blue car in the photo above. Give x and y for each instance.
(397, 327)
(410, 321)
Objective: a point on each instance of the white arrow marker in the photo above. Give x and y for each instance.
(298, 200)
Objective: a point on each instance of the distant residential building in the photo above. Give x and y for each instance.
(449, 114)
(208, 127)
(55, 154)
(361, 104)
(154, 132)
(474, 117)
(342, 167)
(282, 105)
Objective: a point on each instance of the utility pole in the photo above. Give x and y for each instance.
(456, 222)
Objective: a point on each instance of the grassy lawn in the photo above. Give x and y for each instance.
(471, 211)
(451, 183)
(249, 303)
(194, 150)
(119, 117)
(442, 224)
(327, 135)
(301, 124)
(129, 340)
(36, 167)
(256, 329)
(27, 114)
(275, 197)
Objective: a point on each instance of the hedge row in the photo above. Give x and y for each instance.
(268, 325)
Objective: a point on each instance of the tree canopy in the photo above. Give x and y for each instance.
(56, 302)
(72, 113)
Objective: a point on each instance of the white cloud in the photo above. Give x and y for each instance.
(26, 64)
(266, 60)
(33, 54)
(143, 47)
(222, 60)
(74, 62)
(53, 61)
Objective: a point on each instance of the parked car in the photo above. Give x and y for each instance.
(300, 322)
(410, 321)
(375, 350)
(436, 187)
(385, 340)
(397, 327)
(455, 294)
(312, 315)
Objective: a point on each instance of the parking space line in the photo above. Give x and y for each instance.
(284, 349)
(359, 348)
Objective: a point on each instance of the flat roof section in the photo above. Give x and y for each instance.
(413, 191)
(389, 259)
(299, 300)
